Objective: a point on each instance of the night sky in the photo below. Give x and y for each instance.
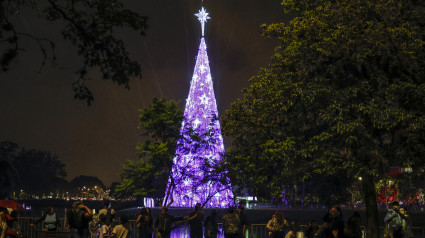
(38, 110)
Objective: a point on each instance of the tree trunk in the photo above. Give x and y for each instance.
(372, 223)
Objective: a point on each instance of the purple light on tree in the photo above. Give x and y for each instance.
(200, 146)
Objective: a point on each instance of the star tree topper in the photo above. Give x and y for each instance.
(202, 17)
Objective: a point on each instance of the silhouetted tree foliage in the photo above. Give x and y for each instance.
(33, 171)
(89, 182)
(8, 179)
(38, 171)
(344, 93)
(61, 185)
(147, 176)
(8, 150)
(8, 174)
(90, 26)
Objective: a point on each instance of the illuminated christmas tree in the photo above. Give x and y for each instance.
(200, 147)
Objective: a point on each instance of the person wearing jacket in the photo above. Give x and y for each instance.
(335, 223)
(231, 223)
(405, 223)
(393, 221)
(164, 222)
(195, 220)
(145, 223)
(78, 219)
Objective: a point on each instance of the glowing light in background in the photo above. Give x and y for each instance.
(202, 17)
(201, 116)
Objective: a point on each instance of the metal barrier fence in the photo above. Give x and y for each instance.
(253, 231)
(28, 231)
(260, 231)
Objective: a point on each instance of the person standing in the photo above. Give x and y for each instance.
(243, 221)
(405, 223)
(163, 223)
(210, 225)
(393, 221)
(50, 220)
(335, 223)
(78, 220)
(278, 225)
(108, 212)
(144, 223)
(231, 224)
(352, 227)
(195, 221)
(269, 225)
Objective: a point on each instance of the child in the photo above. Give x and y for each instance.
(105, 230)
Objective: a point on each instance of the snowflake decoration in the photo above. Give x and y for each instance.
(202, 68)
(204, 99)
(196, 123)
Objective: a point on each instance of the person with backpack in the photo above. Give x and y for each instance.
(393, 221)
(50, 220)
(78, 220)
(231, 224)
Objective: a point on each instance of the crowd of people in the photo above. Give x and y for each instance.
(82, 223)
(333, 226)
